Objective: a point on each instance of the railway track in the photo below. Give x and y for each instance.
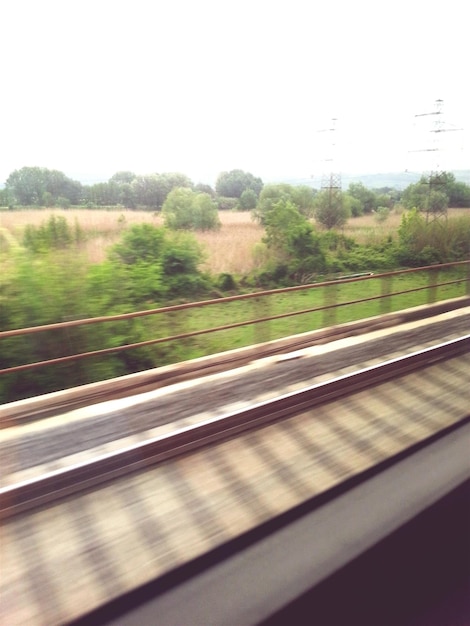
(54, 485)
(81, 531)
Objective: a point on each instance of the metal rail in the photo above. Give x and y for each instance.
(329, 310)
(50, 487)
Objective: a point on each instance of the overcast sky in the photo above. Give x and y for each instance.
(91, 87)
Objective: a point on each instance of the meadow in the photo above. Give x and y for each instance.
(232, 249)
(53, 289)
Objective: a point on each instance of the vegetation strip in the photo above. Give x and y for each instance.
(187, 335)
(65, 265)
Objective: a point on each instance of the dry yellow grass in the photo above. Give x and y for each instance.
(228, 250)
(92, 221)
(367, 230)
(102, 227)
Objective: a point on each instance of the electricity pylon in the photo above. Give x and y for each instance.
(436, 206)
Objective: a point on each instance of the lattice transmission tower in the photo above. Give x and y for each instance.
(331, 177)
(436, 207)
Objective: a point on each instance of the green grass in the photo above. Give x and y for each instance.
(243, 310)
(86, 338)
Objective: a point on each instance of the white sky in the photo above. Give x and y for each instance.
(91, 87)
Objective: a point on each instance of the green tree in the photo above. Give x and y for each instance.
(248, 200)
(142, 242)
(126, 196)
(206, 215)
(63, 202)
(460, 195)
(421, 194)
(148, 191)
(185, 209)
(302, 197)
(353, 205)
(29, 184)
(102, 194)
(227, 204)
(121, 190)
(366, 197)
(152, 190)
(6, 198)
(47, 199)
(153, 262)
(232, 184)
(437, 202)
(203, 188)
(415, 195)
(123, 177)
(293, 240)
(330, 210)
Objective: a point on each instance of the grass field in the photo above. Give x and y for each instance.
(228, 250)
(199, 318)
(231, 249)
(296, 301)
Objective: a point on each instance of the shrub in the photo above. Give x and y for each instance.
(382, 213)
(151, 263)
(55, 233)
(354, 205)
(142, 242)
(331, 211)
(302, 197)
(227, 204)
(185, 209)
(424, 242)
(248, 200)
(226, 282)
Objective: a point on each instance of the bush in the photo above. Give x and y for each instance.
(185, 209)
(226, 282)
(293, 241)
(302, 197)
(423, 242)
(53, 234)
(150, 263)
(382, 213)
(142, 242)
(331, 211)
(354, 205)
(334, 241)
(227, 204)
(248, 200)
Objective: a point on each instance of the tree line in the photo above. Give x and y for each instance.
(190, 206)
(40, 186)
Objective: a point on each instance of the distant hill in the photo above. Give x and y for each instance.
(396, 180)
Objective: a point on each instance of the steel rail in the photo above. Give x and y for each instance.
(54, 485)
(246, 296)
(204, 331)
(32, 409)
